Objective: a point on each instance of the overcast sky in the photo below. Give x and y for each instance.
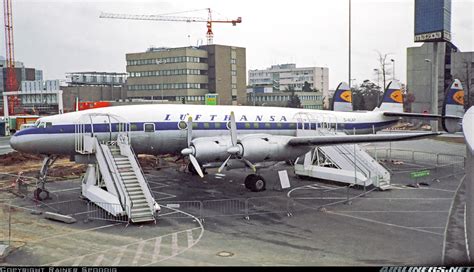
(66, 36)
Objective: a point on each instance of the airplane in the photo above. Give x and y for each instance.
(225, 136)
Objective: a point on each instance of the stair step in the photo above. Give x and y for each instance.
(140, 205)
(131, 180)
(132, 186)
(140, 210)
(139, 201)
(141, 214)
(124, 165)
(142, 219)
(136, 193)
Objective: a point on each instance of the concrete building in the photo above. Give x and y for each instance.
(93, 86)
(22, 73)
(188, 73)
(309, 100)
(420, 70)
(284, 76)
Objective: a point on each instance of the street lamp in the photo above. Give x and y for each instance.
(434, 102)
(392, 60)
(378, 85)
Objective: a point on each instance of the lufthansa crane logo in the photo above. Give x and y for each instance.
(397, 96)
(346, 96)
(459, 97)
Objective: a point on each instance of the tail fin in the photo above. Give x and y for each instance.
(453, 107)
(342, 99)
(392, 98)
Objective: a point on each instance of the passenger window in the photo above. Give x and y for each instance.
(149, 127)
(49, 124)
(182, 125)
(217, 125)
(133, 127)
(255, 125)
(247, 125)
(206, 125)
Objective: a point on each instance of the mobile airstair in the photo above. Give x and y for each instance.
(341, 163)
(114, 180)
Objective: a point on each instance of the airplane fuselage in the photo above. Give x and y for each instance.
(161, 129)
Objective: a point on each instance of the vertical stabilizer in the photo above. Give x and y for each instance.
(392, 100)
(453, 107)
(342, 99)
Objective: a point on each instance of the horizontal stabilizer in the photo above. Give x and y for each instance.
(354, 139)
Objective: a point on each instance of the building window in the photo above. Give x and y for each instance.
(233, 61)
(234, 73)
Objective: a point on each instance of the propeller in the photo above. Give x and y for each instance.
(189, 151)
(234, 150)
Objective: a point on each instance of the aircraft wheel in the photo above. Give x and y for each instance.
(191, 169)
(248, 181)
(255, 183)
(41, 194)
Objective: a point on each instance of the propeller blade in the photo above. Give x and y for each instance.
(224, 164)
(190, 130)
(196, 165)
(233, 129)
(249, 164)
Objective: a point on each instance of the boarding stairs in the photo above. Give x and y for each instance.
(115, 182)
(348, 163)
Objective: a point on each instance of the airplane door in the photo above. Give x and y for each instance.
(150, 139)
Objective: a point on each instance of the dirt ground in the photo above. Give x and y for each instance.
(15, 163)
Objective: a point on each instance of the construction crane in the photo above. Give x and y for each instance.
(209, 21)
(11, 84)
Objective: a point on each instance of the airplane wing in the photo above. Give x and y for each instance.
(420, 115)
(354, 139)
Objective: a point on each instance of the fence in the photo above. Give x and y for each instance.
(98, 211)
(5, 225)
(415, 156)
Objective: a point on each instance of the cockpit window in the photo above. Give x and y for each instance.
(48, 124)
(37, 123)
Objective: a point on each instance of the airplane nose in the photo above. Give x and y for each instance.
(14, 142)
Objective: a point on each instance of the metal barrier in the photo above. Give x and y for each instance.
(95, 212)
(415, 156)
(264, 205)
(5, 224)
(171, 209)
(225, 207)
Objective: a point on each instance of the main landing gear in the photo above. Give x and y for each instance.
(255, 183)
(192, 170)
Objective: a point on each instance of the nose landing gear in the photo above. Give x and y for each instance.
(41, 193)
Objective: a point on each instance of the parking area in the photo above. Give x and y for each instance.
(216, 221)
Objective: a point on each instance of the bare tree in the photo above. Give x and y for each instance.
(384, 67)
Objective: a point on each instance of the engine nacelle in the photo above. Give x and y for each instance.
(211, 149)
(270, 148)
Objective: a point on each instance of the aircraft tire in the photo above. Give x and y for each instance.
(255, 183)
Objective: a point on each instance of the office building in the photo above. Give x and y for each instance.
(285, 76)
(188, 73)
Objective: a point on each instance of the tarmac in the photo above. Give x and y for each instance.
(216, 221)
